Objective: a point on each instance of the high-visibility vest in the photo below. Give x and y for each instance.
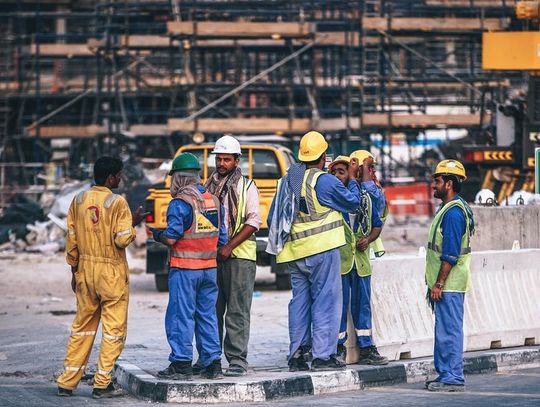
(197, 249)
(248, 248)
(319, 230)
(350, 255)
(459, 279)
(377, 245)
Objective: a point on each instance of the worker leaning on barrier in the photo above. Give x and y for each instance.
(100, 227)
(306, 231)
(194, 231)
(448, 274)
(362, 227)
(236, 259)
(370, 182)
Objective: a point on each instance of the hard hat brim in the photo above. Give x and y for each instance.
(347, 163)
(463, 177)
(224, 152)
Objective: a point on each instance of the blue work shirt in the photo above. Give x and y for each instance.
(331, 193)
(180, 218)
(453, 227)
(376, 221)
(377, 195)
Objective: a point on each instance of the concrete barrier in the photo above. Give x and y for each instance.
(501, 310)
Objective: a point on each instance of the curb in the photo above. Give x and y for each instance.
(284, 384)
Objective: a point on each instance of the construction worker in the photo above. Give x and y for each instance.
(100, 227)
(362, 227)
(194, 231)
(307, 228)
(371, 184)
(236, 259)
(448, 274)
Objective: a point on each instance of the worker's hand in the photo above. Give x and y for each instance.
(156, 234)
(362, 244)
(224, 252)
(436, 293)
(138, 216)
(368, 161)
(353, 169)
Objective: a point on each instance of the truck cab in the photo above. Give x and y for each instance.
(265, 164)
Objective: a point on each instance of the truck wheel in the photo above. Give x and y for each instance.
(162, 282)
(283, 281)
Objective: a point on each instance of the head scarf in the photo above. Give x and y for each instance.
(226, 189)
(184, 186)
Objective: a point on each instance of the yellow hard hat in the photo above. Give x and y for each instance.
(312, 146)
(340, 159)
(361, 155)
(450, 167)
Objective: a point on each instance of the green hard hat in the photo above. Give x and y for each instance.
(185, 161)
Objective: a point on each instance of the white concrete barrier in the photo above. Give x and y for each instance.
(501, 310)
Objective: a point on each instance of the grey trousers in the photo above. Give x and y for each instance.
(236, 279)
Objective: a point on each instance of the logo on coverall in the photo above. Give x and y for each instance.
(94, 214)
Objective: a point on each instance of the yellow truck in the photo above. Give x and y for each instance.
(263, 163)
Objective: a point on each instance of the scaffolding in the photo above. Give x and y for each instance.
(155, 73)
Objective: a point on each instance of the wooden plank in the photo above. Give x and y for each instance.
(149, 130)
(88, 131)
(144, 41)
(58, 50)
(433, 24)
(467, 3)
(239, 29)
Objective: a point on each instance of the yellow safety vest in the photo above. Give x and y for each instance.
(248, 248)
(459, 279)
(350, 255)
(319, 230)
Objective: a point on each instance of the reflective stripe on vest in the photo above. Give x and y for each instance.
(197, 249)
(459, 279)
(319, 230)
(350, 255)
(248, 248)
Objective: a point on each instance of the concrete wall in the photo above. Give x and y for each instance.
(498, 227)
(501, 310)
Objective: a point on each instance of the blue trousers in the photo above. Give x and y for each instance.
(357, 290)
(192, 310)
(315, 307)
(448, 352)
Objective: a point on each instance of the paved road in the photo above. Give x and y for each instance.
(519, 388)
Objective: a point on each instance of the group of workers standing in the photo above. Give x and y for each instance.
(323, 225)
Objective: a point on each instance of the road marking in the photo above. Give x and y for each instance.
(467, 392)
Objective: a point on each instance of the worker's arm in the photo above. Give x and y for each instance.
(223, 237)
(179, 217)
(251, 224)
(123, 230)
(376, 228)
(453, 227)
(72, 250)
(332, 193)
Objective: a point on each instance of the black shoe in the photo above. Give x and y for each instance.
(370, 356)
(235, 371)
(109, 392)
(298, 362)
(341, 353)
(444, 387)
(319, 365)
(177, 371)
(197, 368)
(64, 392)
(213, 371)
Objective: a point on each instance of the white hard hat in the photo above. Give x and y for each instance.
(227, 145)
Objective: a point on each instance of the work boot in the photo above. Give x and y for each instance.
(177, 371)
(213, 371)
(320, 365)
(235, 371)
(370, 356)
(197, 368)
(298, 362)
(64, 392)
(109, 392)
(444, 387)
(341, 353)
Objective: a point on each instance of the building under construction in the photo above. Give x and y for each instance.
(83, 78)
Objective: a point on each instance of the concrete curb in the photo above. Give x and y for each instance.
(266, 386)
